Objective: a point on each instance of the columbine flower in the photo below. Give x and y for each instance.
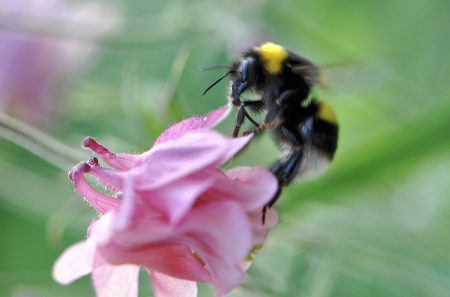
(174, 213)
(44, 44)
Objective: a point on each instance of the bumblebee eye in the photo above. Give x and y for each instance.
(247, 69)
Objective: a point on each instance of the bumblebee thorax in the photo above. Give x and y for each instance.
(273, 57)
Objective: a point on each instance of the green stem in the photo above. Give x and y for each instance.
(38, 143)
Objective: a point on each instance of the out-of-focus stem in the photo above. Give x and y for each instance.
(38, 143)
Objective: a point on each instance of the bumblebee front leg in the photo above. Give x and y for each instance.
(242, 114)
(239, 120)
(268, 121)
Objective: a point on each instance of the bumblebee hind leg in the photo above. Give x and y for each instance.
(285, 171)
(290, 168)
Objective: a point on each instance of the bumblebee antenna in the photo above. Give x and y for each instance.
(215, 66)
(216, 82)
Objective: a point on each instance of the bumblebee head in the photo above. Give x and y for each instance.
(242, 76)
(268, 58)
(249, 70)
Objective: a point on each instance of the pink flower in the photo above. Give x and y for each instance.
(173, 213)
(44, 45)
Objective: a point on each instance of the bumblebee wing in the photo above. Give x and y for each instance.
(351, 77)
(311, 73)
(303, 67)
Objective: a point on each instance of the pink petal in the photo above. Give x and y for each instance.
(109, 178)
(194, 123)
(257, 186)
(218, 228)
(167, 286)
(75, 262)
(260, 230)
(102, 230)
(171, 259)
(117, 161)
(101, 202)
(226, 275)
(251, 187)
(175, 199)
(145, 230)
(115, 281)
(125, 213)
(234, 146)
(171, 161)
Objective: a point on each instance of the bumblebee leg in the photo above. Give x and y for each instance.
(268, 121)
(273, 113)
(242, 114)
(286, 169)
(240, 117)
(282, 102)
(255, 105)
(249, 117)
(289, 170)
(276, 169)
(273, 200)
(288, 95)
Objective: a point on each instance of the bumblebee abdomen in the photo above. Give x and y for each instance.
(312, 135)
(314, 163)
(321, 128)
(324, 137)
(318, 149)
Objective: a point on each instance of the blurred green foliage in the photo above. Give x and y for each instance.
(377, 224)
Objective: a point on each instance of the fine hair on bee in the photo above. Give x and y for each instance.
(304, 128)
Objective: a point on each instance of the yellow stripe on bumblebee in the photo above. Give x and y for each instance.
(273, 56)
(326, 113)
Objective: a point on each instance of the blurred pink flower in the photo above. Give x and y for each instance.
(44, 45)
(174, 213)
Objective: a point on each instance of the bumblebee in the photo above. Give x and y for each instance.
(305, 129)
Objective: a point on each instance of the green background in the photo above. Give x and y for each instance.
(377, 224)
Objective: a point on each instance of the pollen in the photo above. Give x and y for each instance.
(273, 56)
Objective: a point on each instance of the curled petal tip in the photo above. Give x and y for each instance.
(93, 161)
(82, 167)
(97, 148)
(70, 175)
(89, 142)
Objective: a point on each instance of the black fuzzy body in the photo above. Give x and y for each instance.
(306, 136)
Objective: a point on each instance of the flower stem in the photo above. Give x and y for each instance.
(38, 143)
